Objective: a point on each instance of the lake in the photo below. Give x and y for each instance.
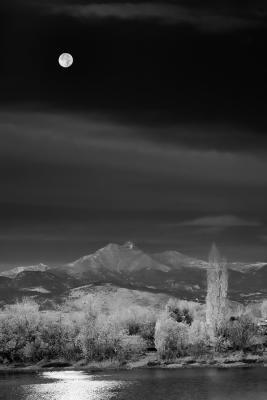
(147, 384)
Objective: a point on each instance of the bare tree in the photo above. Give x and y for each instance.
(217, 286)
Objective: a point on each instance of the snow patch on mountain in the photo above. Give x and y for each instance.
(38, 289)
(12, 273)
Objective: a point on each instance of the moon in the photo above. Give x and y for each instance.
(65, 60)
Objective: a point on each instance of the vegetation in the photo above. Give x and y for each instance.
(91, 332)
(217, 286)
(264, 309)
(171, 337)
(30, 335)
(238, 333)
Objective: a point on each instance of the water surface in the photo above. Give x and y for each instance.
(156, 384)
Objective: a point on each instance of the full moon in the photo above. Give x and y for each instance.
(65, 60)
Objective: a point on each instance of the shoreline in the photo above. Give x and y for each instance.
(145, 363)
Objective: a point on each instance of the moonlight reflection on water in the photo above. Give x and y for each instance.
(72, 385)
(143, 384)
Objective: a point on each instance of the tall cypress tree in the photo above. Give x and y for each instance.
(217, 287)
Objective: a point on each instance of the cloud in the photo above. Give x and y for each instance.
(207, 16)
(223, 137)
(49, 139)
(89, 170)
(263, 238)
(203, 18)
(221, 221)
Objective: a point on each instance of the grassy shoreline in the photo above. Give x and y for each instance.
(147, 362)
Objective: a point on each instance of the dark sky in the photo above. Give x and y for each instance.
(156, 134)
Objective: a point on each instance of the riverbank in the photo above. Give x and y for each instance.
(149, 361)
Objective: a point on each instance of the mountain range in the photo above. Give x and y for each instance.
(126, 266)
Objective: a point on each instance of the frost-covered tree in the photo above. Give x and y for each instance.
(217, 286)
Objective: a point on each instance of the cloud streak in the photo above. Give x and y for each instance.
(206, 19)
(221, 221)
(49, 139)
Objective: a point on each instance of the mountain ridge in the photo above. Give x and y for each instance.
(128, 266)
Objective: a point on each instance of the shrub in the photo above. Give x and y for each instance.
(171, 337)
(104, 338)
(198, 338)
(130, 347)
(26, 334)
(238, 332)
(138, 321)
(58, 335)
(99, 333)
(221, 344)
(19, 330)
(182, 310)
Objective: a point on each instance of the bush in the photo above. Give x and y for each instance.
(26, 334)
(103, 338)
(222, 344)
(58, 335)
(138, 321)
(198, 338)
(99, 334)
(19, 335)
(182, 310)
(239, 333)
(130, 347)
(171, 337)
